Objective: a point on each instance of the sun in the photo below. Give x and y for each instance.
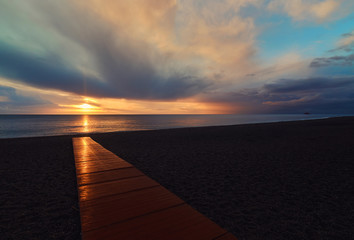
(86, 106)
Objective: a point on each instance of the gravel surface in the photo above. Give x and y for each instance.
(38, 195)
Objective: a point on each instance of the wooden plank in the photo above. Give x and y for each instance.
(227, 236)
(102, 157)
(80, 141)
(103, 161)
(89, 192)
(88, 153)
(181, 222)
(106, 176)
(103, 211)
(99, 166)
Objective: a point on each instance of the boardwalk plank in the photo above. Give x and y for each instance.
(100, 212)
(89, 192)
(102, 161)
(109, 175)
(181, 222)
(88, 158)
(99, 166)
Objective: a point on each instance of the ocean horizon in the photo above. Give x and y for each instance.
(16, 126)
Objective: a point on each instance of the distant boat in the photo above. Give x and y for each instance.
(307, 113)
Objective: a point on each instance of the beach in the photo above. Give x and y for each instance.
(287, 180)
(38, 195)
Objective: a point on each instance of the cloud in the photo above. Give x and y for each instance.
(121, 65)
(307, 85)
(333, 61)
(51, 72)
(315, 95)
(147, 50)
(317, 10)
(348, 39)
(345, 43)
(290, 65)
(158, 50)
(215, 33)
(11, 99)
(45, 72)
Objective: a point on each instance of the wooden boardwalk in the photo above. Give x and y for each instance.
(117, 201)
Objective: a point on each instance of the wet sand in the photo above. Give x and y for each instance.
(289, 180)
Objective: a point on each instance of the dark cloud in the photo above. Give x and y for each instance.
(315, 95)
(9, 98)
(315, 84)
(345, 48)
(333, 61)
(125, 67)
(46, 72)
(120, 79)
(347, 35)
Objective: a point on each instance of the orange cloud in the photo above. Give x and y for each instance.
(196, 36)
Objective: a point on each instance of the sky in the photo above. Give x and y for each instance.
(176, 56)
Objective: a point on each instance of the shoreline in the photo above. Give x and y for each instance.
(163, 129)
(284, 180)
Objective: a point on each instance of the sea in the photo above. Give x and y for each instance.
(16, 126)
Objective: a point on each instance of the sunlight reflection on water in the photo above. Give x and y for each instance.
(85, 124)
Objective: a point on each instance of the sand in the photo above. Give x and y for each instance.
(291, 180)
